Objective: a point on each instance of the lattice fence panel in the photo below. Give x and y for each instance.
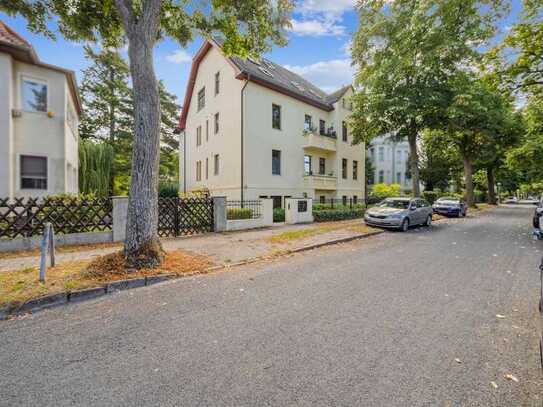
(184, 216)
(26, 217)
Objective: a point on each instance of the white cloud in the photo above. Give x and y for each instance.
(327, 75)
(316, 28)
(179, 57)
(330, 7)
(321, 17)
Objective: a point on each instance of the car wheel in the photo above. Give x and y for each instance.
(428, 222)
(405, 225)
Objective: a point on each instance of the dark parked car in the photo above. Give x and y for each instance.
(450, 206)
(399, 213)
(537, 220)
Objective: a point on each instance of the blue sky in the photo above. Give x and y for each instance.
(317, 48)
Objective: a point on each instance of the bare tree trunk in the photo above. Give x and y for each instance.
(414, 160)
(142, 246)
(468, 179)
(491, 182)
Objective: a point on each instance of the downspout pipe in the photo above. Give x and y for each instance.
(242, 137)
(184, 162)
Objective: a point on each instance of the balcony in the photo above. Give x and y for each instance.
(323, 182)
(320, 142)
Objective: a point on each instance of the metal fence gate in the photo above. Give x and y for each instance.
(184, 216)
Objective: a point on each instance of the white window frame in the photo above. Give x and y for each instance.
(20, 174)
(26, 77)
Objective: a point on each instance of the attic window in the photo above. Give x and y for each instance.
(314, 93)
(268, 64)
(298, 86)
(265, 71)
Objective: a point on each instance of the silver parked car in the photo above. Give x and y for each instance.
(399, 213)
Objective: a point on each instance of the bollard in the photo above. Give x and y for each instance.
(47, 246)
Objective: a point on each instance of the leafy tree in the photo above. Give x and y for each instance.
(406, 51)
(109, 114)
(107, 108)
(525, 159)
(94, 167)
(476, 120)
(440, 162)
(246, 25)
(518, 59)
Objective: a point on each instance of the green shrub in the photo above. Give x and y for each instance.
(278, 215)
(327, 215)
(168, 189)
(239, 213)
(382, 191)
(431, 196)
(337, 206)
(480, 196)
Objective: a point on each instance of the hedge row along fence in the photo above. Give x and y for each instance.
(250, 209)
(328, 215)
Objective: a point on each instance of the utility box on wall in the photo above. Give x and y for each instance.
(298, 210)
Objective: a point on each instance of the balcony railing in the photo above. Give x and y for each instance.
(320, 141)
(320, 181)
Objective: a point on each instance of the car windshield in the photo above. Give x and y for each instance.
(394, 203)
(448, 198)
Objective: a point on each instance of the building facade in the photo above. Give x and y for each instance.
(390, 160)
(252, 129)
(39, 118)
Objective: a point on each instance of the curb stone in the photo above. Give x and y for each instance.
(57, 299)
(332, 242)
(86, 294)
(125, 284)
(159, 278)
(47, 301)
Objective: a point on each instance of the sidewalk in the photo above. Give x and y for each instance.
(225, 248)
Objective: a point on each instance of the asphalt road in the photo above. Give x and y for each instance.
(377, 322)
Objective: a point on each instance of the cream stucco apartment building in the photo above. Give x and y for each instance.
(253, 129)
(390, 159)
(39, 116)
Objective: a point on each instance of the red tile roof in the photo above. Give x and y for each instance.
(9, 36)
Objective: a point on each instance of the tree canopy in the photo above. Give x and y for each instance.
(406, 51)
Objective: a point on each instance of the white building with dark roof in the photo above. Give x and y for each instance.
(254, 129)
(390, 160)
(39, 117)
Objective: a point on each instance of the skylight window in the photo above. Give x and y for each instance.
(254, 61)
(314, 93)
(268, 64)
(298, 86)
(265, 71)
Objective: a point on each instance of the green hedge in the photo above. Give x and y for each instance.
(239, 213)
(337, 206)
(278, 215)
(334, 214)
(168, 190)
